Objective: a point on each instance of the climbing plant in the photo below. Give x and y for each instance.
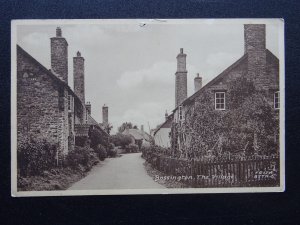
(247, 126)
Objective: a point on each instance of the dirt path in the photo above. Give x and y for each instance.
(118, 173)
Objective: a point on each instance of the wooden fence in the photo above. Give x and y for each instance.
(255, 171)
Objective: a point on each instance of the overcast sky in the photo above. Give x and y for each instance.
(131, 67)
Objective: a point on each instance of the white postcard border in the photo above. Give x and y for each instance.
(15, 193)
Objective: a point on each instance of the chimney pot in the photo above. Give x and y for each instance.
(181, 50)
(166, 115)
(78, 54)
(197, 82)
(58, 32)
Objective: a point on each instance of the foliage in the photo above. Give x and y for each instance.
(254, 132)
(247, 128)
(132, 148)
(81, 156)
(155, 149)
(112, 153)
(120, 140)
(111, 146)
(81, 141)
(108, 128)
(97, 137)
(35, 155)
(101, 151)
(125, 125)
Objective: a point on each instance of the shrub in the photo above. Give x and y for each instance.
(132, 148)
(81, 141)
(111, 146)
(35, 155)
(102, 154)
(97, 137)
(112, 153)
(82, 156)
(120, 140)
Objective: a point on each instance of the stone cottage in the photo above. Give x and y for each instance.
(138, 136)
(46, 105)
(162, 133)
(258, 66)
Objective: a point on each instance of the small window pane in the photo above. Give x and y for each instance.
(220, 100)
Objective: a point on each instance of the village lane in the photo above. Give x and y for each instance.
(123, 172)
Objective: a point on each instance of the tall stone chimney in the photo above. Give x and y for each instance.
(88, 107)
(105, 115)
(166, 115)
(255, 47)
(59, 55)
(198, 82)
(181, 79)
(142, 128)
(78, 73)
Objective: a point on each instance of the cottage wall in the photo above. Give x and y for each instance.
(161, 137)
(71, 121)
(42, 104)
(223, 84)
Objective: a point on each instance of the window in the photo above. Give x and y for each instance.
(276, 100)
(180, 113)
(220, 100)
(69, 102)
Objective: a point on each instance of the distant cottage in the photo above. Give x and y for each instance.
(162, 133)
(138, 137)
(46, 105)
(258, 66)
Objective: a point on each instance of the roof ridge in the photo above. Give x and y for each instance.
(48, 72)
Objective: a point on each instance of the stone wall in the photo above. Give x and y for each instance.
(42, 103)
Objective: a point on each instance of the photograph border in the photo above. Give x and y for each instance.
(15, 193)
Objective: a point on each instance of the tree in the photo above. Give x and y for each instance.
(120, 140)
(108, 128)
(126, 125)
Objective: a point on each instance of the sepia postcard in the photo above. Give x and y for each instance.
(147, 106)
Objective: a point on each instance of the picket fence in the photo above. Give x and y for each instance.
(254, 171)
